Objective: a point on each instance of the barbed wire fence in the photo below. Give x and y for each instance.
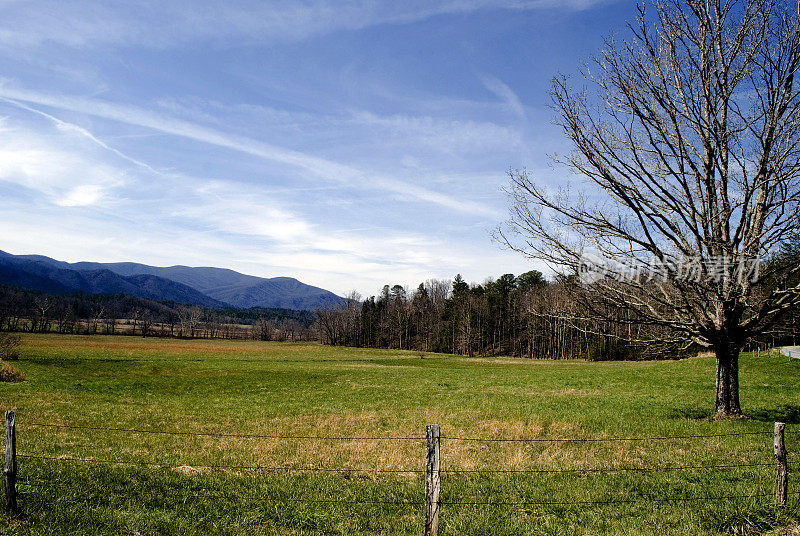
(432, 472)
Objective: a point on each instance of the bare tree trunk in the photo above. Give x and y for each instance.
(727, 395)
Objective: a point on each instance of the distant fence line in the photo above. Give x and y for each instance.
(432, 472)
(129, 328)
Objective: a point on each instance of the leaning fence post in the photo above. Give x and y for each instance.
(10, 469)
(432, 481)
(782, 491)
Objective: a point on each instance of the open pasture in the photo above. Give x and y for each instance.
(229, 482)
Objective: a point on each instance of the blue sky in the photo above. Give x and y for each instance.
(345, 143)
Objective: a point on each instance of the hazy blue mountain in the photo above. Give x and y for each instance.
(276, 292)
(223, 285)
(44, 276)
(19, 277)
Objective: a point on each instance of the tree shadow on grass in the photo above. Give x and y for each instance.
(787, 413)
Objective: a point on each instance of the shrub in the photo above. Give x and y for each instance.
(10, 374)
(9, 346)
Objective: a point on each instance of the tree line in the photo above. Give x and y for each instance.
(510, 315)
(24, 310)
(521, 316)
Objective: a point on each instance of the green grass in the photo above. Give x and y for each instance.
(236, 387)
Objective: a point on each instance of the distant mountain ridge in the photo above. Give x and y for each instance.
(40, 275)
(207, 286)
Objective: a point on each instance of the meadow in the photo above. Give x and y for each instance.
(226, 483)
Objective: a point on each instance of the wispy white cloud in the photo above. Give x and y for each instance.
(444, 135)
(82, 195)
(71, 127)
(156, 23)
(253, 212)
(506, 94)
(320, 167)
(257, 214)
(55, 169)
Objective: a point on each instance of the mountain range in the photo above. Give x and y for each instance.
(206, 286)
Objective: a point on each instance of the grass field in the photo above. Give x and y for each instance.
(235, 387)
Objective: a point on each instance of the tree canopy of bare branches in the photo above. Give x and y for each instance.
(687, 139)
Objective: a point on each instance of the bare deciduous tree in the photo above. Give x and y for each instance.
(263, 329)
(690, 147)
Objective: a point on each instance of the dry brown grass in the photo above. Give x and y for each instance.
(370, 454)
(187, 470)
(10, 374)
(791, 530)
(118, 344)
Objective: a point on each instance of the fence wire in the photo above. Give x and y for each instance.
(596, 439)
(268, 468)
(610, 501)
(608, 469)
(222, 434)
(445, 471)
(388, 438)
(219, 466)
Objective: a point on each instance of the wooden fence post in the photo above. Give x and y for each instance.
(782, 491)
(10, 469)
(432, 481)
